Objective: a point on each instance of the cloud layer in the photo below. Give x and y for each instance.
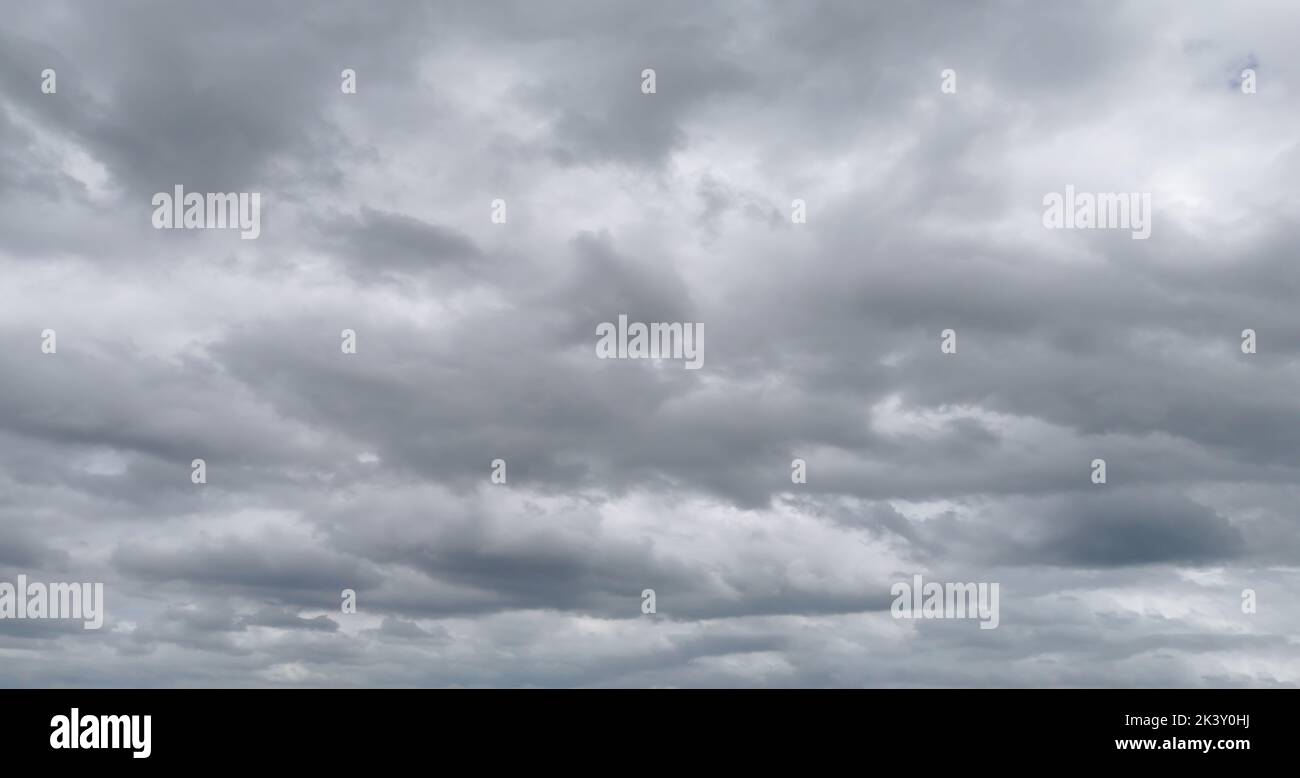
(475, 341)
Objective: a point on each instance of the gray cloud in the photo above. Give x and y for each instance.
(371, 471)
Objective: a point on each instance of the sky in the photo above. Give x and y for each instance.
(476, 341)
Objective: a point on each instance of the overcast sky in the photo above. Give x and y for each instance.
(476, 341)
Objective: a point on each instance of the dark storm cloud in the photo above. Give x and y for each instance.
(403, 630)
(378, 244)
(217, 99)
(1119, 527)
(22, 549)
(293, 574)
(284, 619)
